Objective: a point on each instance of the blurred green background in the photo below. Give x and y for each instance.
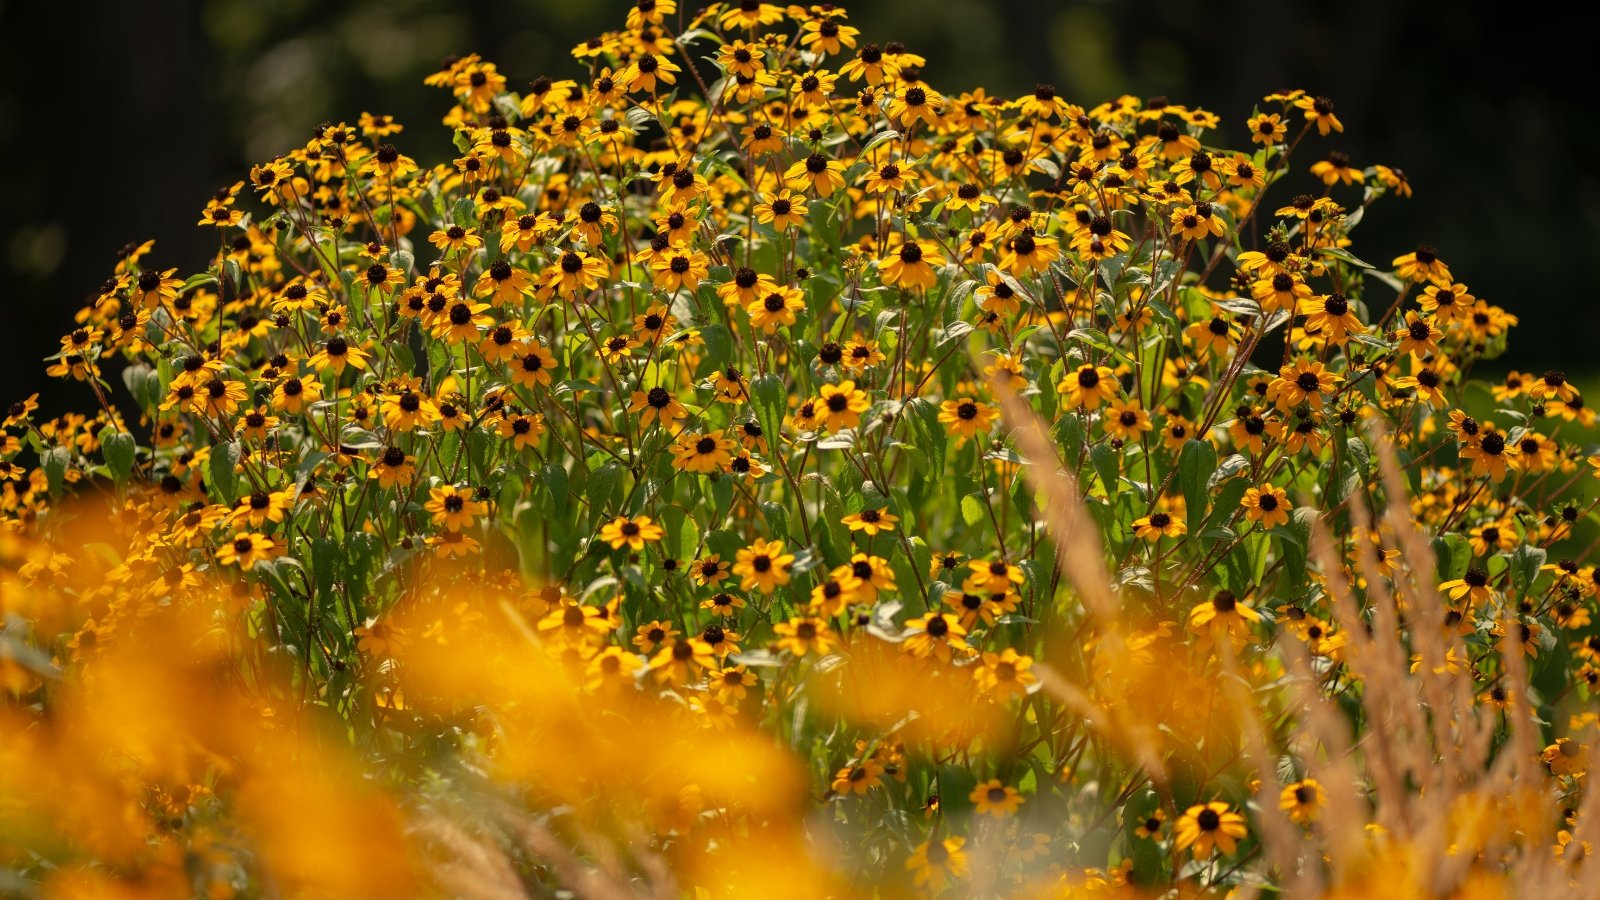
(119, 119)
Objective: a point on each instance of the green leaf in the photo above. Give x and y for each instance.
(234, 276)
(1525, 563)
(722, 497)
(719, 344)
(28, 657)
(777, 516)
(604, 483)
(556, 483)
(1227, 470)
(223, 458)
(1360, 457)
(1240, 306)
(638, 117)
(405, 261)
(308, 465)
(956, 783)
(1294, 551)
(974, 509)
(1227, 500)
(1195, 465)
(361, 550)
(725, 544)
(1108, 465)
(1347, 256)
(144, 384)
(54, 463)
(954, 333)
(1454, 555)
(682, 535)
(200, 279)
(770, 400)
(118, 448)
(325, 559)
(930, 436)
(1069, 435)
(1094, 338)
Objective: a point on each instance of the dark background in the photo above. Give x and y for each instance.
(117, 120)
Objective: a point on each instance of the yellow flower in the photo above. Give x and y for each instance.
(1566, 757)
(680, 270)
(394, 467)
(702, 453)
(524, 430)
(763, 565)
(709, 570)
(456, 239)
(1205, 827)
(452, 507)
(1088, 386)
(1126, 421)
(936, 634)
(612, 668)
(651, 636)
(246, 549)
(993, 798)
(966, 417)
(632, 532)
(408, 411)
(1005, 674)
(858, 778)
(1223, 614)
(1319, 112)
(775, 308)
(336, 353)
(1303, 800)
(657, 405)
(935, 863)
(1267, 504)
(376, 637)
(840, 405)
(804, 634)
(259, 508)
(648, 73)
(1306, 381)
(1157, 525)
(870, 521)
(913, 267)
(835, 593)
(815, 173)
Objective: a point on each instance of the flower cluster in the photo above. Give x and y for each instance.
(794, 477)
